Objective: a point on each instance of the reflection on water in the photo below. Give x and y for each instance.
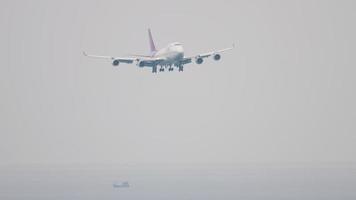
(179, 182)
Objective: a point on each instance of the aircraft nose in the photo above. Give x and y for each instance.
(180, 49)
(181, 52)
(180, 55)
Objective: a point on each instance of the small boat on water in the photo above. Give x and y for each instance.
(124, 184)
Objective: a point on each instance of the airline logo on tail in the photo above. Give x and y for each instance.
(152, 44)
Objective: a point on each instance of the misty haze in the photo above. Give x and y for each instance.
(274, 118)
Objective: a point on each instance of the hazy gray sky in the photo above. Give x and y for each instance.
(286, 94)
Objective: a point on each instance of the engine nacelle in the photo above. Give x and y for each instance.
(140, 63)
(199, 60)
(217, 57)
(115, 63)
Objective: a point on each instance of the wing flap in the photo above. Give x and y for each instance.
(150, 62)
(186, 61)
(125, 60)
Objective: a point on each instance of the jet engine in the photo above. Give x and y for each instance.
(217, 57)
(199, 60)
(140, 63)
(115, 63)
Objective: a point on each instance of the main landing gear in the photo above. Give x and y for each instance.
(170, 68)
(180, 68)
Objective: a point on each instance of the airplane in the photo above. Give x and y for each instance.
(168, 57)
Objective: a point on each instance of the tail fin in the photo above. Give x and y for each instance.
(152, 44)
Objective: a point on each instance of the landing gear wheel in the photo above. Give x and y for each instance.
(154, 69)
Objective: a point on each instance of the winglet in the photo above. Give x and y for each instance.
(152, 44)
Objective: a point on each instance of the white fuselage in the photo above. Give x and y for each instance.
(172, 54)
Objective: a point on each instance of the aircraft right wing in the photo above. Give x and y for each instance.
(115, 59)
(142, 61)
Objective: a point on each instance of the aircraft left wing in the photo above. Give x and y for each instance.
(199, 58)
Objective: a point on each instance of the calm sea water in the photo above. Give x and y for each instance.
(179, 182)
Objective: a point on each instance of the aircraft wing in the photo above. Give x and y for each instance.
(119, 59)
(149, 62)
(142, 61)
(205, 55)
